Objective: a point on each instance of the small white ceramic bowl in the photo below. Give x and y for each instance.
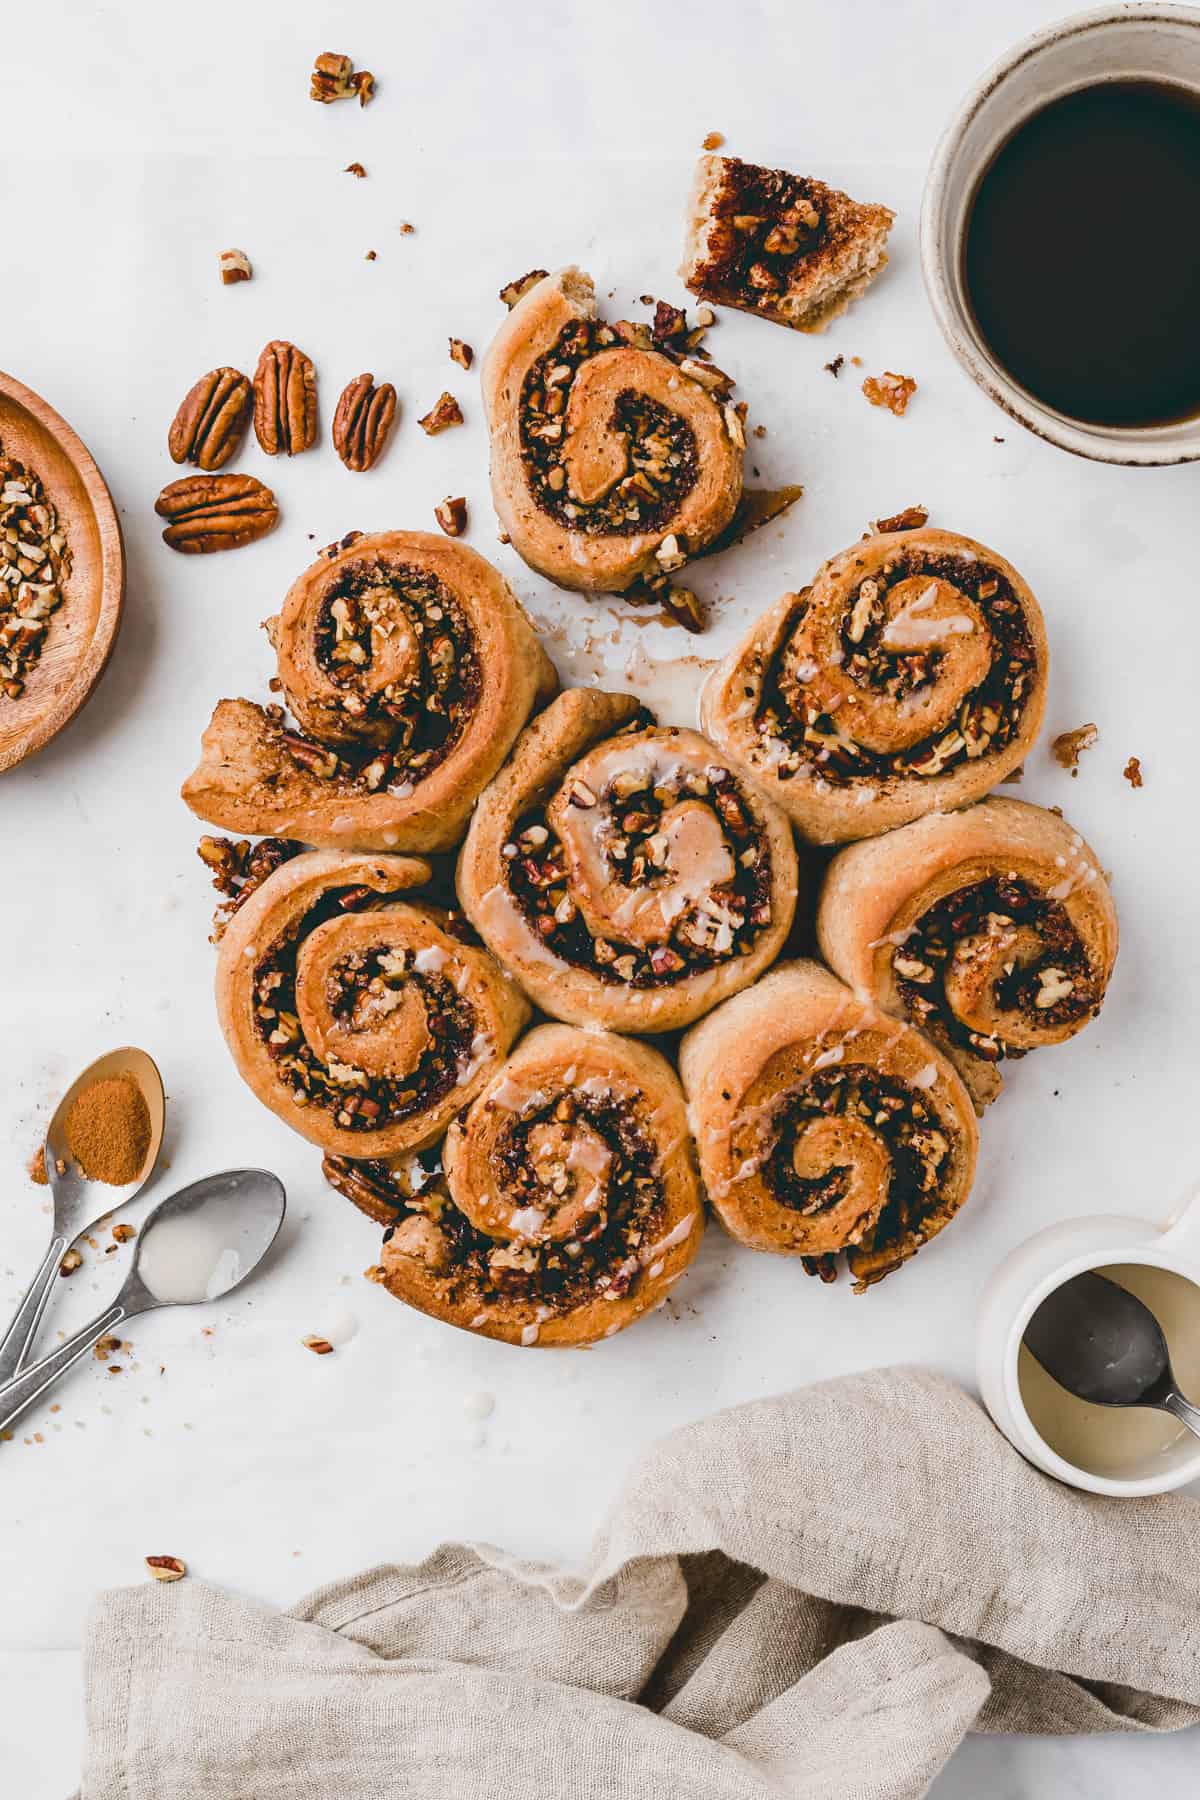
(1016, 1290)
(1155, 43)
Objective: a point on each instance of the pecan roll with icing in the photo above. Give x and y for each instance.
(569, 1204)
(825, 1127)
(992, 929)
(909, 678)
(611, 462)
(410, 668)
(623, 872)
(354, 1013)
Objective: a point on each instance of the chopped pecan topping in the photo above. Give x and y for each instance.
(35, 562)
(205, 513)
(285, 400)
(334, 78)
(890, 390)
(445, 413)
(461, 353)
(364, 417)
(238, 869)
(212, 419)
(1068, 746)
(234, 266)
(354, 169)
(1133, 772)
(451, 515)
(911, 519)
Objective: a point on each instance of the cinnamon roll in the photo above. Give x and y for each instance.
(612, 462)
(909, 678)
(992, 929)
(353, 1012)
(409, 667)
(623, 872)
(569, 1203)
(825, 1127)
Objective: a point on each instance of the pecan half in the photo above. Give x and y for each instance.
(212, 419)
(285, 400)
(215, 512)
(363, 419)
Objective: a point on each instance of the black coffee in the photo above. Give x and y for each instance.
(1082, 258)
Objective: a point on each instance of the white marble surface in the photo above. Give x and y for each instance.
(138, 141)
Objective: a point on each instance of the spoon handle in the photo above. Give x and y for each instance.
(1182, 1409)
(16, 1342)
(31, 1384)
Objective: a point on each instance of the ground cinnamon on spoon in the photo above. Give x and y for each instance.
(108, 1130)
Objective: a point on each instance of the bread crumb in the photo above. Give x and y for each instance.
(713, 140)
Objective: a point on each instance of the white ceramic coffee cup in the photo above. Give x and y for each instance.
(1018, 1287)
(1155, 43)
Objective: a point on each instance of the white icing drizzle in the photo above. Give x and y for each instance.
(527, 1221)
(429, 960)
(924, 1078)
(530, 1334)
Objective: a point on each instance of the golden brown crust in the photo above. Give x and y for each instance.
(823, 1126)
(910, 677)
(570, 1205)
(627, 881)
(960, 921)
(683, 498)
(355, 1016)
(785, 247)
(448, 671)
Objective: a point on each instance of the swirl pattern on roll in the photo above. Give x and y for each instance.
(352, 1011)
(623, 872)
(992, 929)
(824, 1127)
(910, 677)
(569, 1204)
(409, 668)
(611, 461)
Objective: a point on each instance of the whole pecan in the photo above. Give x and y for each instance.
(215, 512)
(363, 419)
(212, 419)
(285, 400)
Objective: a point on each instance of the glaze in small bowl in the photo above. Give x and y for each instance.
(1150, 43)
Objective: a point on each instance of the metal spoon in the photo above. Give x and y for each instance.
(197, 1245)
(1103, 1344)
(78, 1202)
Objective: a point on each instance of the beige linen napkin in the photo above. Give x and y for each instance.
(816, 1595)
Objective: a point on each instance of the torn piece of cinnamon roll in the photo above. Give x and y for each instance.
(993, 929)
(569, 1204)
(824, 1127)
(623, 872)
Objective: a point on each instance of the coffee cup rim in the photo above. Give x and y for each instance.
(1146, 446)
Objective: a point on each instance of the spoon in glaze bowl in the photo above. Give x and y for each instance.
(1103, 1344)
(198, 1245)
(78, 1201)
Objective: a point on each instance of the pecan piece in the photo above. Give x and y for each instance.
(166, 1568)
(212, 419)
(215, 512)
(440, 417)
(451, 515)
(334, 77)
(363, 419)
(461, 353)
(234, 266)
(285, 400)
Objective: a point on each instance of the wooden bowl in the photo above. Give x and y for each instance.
(81, 632)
